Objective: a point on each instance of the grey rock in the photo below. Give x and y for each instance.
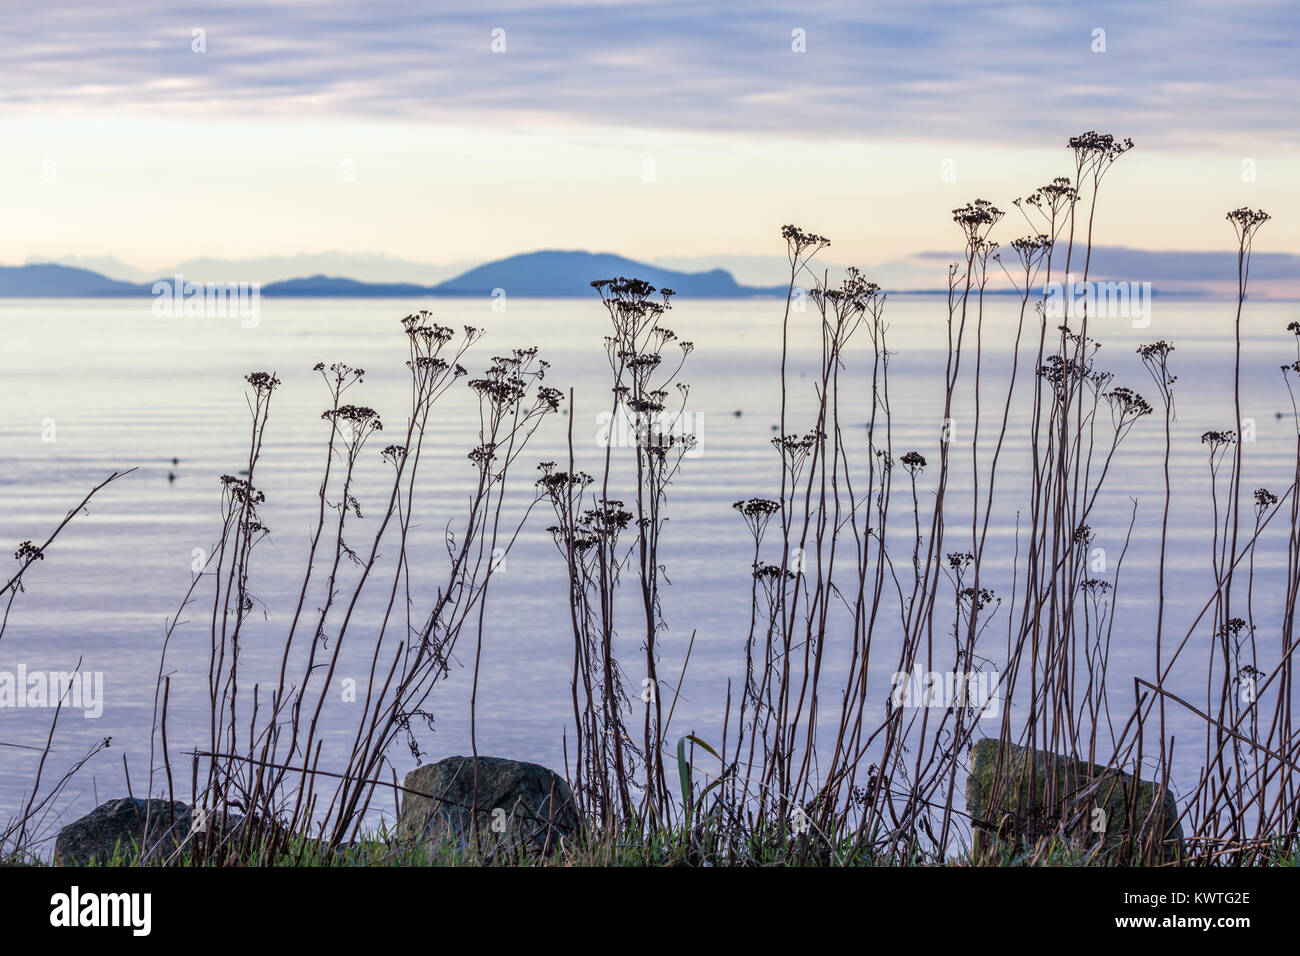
(518, 805)
(121, 824)
(1010, 802)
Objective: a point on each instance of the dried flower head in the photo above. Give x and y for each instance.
(798, 242)
(976, 219)
(1264, 499)
(241, 491)
(28, 552)
(1098, 149)
(1246, 222)
(1127, 403)
(263, 382)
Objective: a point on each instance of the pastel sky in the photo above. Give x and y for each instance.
(669, 131)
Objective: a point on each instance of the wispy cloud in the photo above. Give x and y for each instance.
(1179, 74)
(1159, 265)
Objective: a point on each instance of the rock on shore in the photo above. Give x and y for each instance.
(120, 824)
(1094, 803)
(516, 804)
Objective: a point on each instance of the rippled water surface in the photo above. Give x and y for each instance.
(117, 388)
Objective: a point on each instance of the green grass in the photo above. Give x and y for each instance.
(664, 848)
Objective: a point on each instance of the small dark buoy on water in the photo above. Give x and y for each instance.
(171, 476)
(176, 461)
(738, 413)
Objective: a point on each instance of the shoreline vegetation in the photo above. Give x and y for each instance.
(1076, 776)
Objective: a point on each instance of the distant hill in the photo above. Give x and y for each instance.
(549, 274)
(46, 280)
(327, 286)
(556, 274)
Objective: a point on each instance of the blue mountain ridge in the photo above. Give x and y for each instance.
(545, 274)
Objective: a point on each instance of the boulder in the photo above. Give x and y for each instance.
(120, 824)
(515, 804)
(1013, 815)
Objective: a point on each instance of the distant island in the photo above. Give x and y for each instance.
(561, 274)
(545, 274)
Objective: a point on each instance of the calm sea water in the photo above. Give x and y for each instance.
(121, 388)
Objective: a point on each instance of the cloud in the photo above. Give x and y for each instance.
(1186, 74)
(1158, 265)
(1212, 273)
